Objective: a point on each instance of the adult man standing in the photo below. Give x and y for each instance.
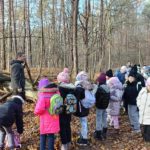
(17, 74)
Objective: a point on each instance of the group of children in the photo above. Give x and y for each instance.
(61, 123)
(108, 95)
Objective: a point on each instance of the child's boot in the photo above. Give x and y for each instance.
(82, 142)
(104, 133)
(98, 135)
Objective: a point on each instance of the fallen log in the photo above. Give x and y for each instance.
(2, 98)
(31, 96)
(4, 77)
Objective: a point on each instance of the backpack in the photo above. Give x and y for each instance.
(102, 98)
(56, 104)
(89, 99)
(70, 104)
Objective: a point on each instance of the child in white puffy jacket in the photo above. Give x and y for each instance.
(143, 103)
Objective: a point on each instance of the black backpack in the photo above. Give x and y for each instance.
(102, 98)
(81, 110)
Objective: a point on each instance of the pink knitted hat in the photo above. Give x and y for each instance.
(66, 70)
(63, 77)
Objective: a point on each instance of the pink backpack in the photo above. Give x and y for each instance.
(17, 141)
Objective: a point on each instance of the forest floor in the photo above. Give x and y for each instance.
(125, 140)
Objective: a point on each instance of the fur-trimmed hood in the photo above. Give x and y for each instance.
(16, 97)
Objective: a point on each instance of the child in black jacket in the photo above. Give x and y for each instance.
(10, 113)
(102, 100)
(131, 91)
(65, 88)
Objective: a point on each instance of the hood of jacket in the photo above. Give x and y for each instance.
(105, 87)
(67, 85)
(17, 99)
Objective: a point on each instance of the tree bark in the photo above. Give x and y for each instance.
(24, 22)
(10, 35)
(74, 29)
(3, 53)
(29, 35)
(14, 28)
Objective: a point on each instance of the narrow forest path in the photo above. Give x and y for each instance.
(125, 140)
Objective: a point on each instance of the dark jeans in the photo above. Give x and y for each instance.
(65, 129)
(3, 132)
(146, 133)
(50, 141)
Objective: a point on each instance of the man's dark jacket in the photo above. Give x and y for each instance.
(11, 112)
(17, 75)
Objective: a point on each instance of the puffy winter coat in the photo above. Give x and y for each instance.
(48, 123)
(17, 75)
(11, 112)
(115, 102)
(102, 96)
(131, 92)
(143, 103)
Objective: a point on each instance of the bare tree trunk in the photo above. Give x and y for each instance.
(101, 25)
(102, 40)
(42, 35)
(10, 35)
(64, 30)
(109, 32)
(24, 16)
(109, 54)
(3, 54)
(29, 34)
(84, 25)
(127, 45)
(53, 31)
(74, 29)
(14, 27)
(70, 38)
(140, 57)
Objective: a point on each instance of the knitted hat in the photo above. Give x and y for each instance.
(109, 73)
(134, 69)
(43, 82)
(66, 70)
(82, 76)
(132, 74)
(63, 77)
(148, 82)
(102, 78)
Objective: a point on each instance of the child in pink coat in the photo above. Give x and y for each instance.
(49, 125)
(116, 92)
